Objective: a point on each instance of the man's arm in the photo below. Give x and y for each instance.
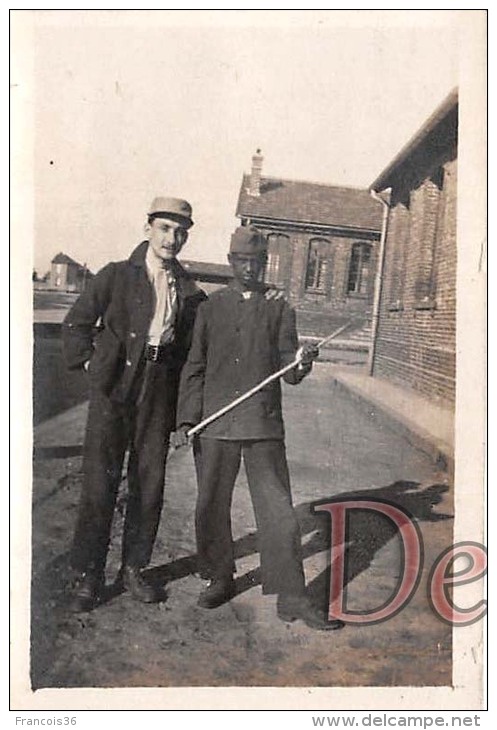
(78, 326)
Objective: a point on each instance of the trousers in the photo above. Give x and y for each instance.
(143, 426)
(278, 532)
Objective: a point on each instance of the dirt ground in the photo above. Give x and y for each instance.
(335, 448)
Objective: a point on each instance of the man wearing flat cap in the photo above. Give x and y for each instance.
(131, 329)
(240, 338)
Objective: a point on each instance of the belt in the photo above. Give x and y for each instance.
(159, 353)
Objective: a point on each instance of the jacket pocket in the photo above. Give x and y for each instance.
(106, 365)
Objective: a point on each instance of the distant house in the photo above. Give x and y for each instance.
(415, 328)
(210, 275)
(322, 244)
(67, 275)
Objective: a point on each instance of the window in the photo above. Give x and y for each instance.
(272, 266)
(425, 285)
(278, 258)
(399, 233)
(359, 269)
(317, 265)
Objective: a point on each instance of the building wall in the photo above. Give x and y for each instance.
(68, 277)
(320, 308)
(73, 281)
(416, 343)
(58, 276)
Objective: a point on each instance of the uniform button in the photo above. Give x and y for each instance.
(237, 360)
(237, 392)
(128, 362)
(132, 334)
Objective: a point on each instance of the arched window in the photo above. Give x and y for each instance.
(317, 264)
(359, 269)
(278, 256)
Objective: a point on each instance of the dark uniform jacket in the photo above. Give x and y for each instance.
(236, 344)
(121, 300)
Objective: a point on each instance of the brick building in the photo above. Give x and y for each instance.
(415, 320)
(67, 275)
(323, 244)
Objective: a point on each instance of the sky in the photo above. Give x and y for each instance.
(127, 106)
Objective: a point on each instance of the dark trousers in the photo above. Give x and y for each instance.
(143, 426)
(269, 484)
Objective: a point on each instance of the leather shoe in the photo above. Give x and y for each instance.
(291, 608)
(218, 591)
(87, 592)
(134, 582)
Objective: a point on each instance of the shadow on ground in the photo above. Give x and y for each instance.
(367, 533)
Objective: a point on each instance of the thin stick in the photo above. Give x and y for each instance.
(334, 334)
(259, 386)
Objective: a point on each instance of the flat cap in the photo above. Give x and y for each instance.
(174, 208)
(247, 240)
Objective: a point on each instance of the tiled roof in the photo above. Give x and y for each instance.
(305, 202)
(63, 258)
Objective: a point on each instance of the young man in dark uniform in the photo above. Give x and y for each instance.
(145, 308)
(240, 338)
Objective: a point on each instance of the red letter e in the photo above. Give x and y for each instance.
(441, 580)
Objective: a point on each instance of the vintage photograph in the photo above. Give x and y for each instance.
(257, 296)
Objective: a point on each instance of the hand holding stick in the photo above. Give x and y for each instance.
(245, 396)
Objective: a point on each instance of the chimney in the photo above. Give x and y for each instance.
(254, 187)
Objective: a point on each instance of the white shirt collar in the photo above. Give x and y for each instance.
(155, 264)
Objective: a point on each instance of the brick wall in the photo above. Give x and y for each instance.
(333, 297)
(416, 333)
(318, 313)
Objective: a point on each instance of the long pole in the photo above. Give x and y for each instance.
(245, 396)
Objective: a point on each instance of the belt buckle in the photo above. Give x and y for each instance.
(152, 353)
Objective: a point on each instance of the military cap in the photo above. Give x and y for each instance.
(247, 240)
(173, 208)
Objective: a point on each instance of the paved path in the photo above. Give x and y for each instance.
(428, 423)
(335, 448)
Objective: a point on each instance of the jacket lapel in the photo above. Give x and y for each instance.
(185, 286)
(142, 285)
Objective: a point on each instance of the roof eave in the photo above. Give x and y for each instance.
(284, 222)
(448, 105)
